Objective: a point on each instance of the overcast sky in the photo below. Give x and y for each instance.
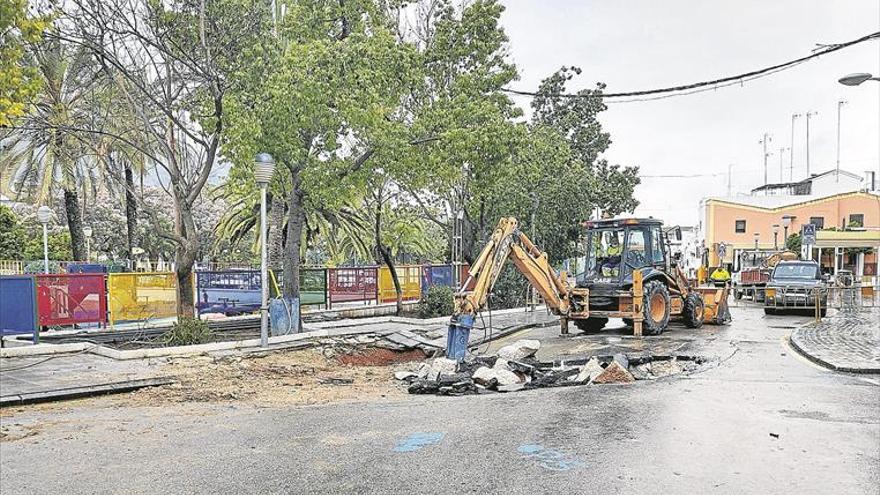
(644, 44)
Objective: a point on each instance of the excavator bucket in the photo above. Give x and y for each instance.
(715, 308)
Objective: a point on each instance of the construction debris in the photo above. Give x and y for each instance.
(502, 373)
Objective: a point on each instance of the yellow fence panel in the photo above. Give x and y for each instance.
(410, 277)
(140, 296)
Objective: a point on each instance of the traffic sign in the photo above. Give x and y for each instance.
(808, 234)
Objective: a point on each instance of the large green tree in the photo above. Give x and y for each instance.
(19, 81)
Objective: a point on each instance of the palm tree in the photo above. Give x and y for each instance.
(45, 149)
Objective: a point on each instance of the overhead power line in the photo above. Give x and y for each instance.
(706, 85)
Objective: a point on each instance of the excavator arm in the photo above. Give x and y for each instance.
(507, 242)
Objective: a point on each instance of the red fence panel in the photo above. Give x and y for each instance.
(352, 284)
(66, 299)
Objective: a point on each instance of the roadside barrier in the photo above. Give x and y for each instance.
(141, 296)
(69, 299)
(95, 293)
(352, 284)
(18, 305)
(409, 277)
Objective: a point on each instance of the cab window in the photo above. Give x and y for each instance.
(656, 246)
(636, 249)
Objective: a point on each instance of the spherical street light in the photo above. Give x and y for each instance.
(856, 79)
(44, 214)
(264, 167)
(87, 231)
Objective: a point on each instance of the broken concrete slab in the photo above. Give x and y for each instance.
(520, 349)
(405, 375)
(588, 372)
(513, 387)
(485, 376)
(614, 373)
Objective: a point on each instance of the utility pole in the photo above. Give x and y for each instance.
(782, 151)
(809, 114)
(729, 189)
(840, 104)
(767, 138)
(791, 149)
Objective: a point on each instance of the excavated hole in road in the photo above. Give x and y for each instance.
(532, 374)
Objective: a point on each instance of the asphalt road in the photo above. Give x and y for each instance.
(764, 421)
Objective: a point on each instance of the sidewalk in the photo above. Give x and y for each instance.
(848, 341)
(57, 372)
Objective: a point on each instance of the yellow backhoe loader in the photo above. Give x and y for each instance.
(628, 274)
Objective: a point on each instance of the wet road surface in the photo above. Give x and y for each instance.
(764, 421)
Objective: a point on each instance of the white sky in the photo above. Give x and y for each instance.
(645, 44)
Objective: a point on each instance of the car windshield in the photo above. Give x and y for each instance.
(795, 271)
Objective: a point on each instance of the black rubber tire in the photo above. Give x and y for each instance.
(737, 294)
(591, 325)
(692, 311)
(628, 322)
(769, 311)
(650, 326)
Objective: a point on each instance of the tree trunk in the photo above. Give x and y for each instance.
(384, 257)
(295, 218)
(130, 211)
(75, 225)
(185, 255)
(276, 224)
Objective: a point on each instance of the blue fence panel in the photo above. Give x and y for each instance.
(18, 305)
(228, 292)
(86, 268)
(436, 275)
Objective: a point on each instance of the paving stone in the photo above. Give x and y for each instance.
(850, 341)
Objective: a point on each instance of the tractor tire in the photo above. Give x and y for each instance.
(656, 303)
(737, 294)
(591, 325)
(692, 312)
(769, 311)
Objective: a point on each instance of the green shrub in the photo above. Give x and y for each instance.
(511, 289)
(437, 301)
(188, 331)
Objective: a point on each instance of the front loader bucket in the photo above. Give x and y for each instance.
(715, 308)
(458, 335)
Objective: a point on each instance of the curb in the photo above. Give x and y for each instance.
(84, 391)
(821, 362)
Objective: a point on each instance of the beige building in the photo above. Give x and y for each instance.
(847, 222)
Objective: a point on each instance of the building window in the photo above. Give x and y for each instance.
(819, 222)
(856, 220)
(740, 226)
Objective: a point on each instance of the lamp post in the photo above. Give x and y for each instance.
(786, 223)
(776, 237)
(44, 214)
(264, 166)
(757, 235)
(87, 231)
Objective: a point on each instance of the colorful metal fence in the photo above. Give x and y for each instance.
(409, 277)
(70, 299)
(139, 296)
(18, 305)
(312, 286)
(228, 292)
(352, 284)
(436, 275)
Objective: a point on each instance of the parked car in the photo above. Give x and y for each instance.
(796, 285)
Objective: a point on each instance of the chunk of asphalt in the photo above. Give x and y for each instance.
(621, 359)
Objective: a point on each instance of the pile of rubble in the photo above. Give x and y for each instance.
(515, 368)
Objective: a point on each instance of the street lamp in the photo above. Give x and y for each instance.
(776, 237)
(44, 214)
(757, 235)
(856, 79)
(88, 233)
(786, 223)
(264, 166)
